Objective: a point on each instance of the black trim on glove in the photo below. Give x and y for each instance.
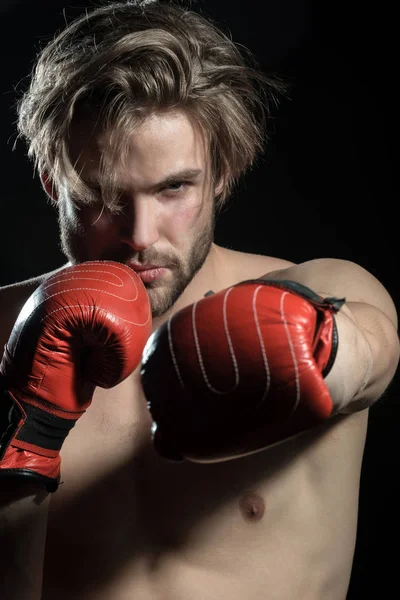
(308, 294)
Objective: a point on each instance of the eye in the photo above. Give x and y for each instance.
(176, 187)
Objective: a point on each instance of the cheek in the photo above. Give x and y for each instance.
(97, 223)
(94, 219)
(101, 234)
(186, 220)
(88, 227)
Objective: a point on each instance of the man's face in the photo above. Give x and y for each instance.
(167, 223)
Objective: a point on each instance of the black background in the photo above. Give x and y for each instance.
(325, 187)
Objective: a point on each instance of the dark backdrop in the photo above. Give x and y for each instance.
(325, 186)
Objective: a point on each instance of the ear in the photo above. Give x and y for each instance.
(48, 186)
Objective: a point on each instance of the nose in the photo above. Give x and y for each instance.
(140, 227)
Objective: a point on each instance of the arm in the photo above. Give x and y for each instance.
(23, 508)
(83, 327)
(23, 522)
(368, 352)
(268, 359)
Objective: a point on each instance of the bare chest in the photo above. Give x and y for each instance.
(121, 510)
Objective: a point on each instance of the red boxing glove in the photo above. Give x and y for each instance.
(240, 370)
(85, 326)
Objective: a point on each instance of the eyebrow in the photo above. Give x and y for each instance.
(178, 175)
(185, 174)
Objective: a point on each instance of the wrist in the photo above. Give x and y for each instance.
(352, 368)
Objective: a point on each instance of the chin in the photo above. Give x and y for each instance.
(163, 297)
(160, 302)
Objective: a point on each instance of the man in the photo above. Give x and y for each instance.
(140, 116)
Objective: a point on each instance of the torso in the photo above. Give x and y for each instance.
(279, 525)
(125, 524)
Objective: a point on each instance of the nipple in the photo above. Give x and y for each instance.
(252, 507)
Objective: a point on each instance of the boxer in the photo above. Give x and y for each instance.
(219, 453)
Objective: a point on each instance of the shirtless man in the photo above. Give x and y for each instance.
(139, 117)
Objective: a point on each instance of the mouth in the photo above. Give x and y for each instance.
(137, 267)
(148, 273)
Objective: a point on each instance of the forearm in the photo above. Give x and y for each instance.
(23, 522)
(368, 355)
(354, 363)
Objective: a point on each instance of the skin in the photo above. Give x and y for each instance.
(278, 524)
(164, 224)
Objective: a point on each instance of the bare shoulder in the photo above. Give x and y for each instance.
(245, 265)
(12, 299)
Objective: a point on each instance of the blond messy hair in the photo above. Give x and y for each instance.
(121, 62)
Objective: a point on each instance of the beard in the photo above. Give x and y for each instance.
(78, 247)
(164, 295)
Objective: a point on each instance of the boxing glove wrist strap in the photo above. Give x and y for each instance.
(30, 428)
(319, 302)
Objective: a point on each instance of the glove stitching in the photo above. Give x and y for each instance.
(198, 350)
(292, 351)
(262, 345)
(173, 355)
(99, 308)
(61, 277)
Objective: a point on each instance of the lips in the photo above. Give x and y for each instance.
(148, 273)
(139, 268)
